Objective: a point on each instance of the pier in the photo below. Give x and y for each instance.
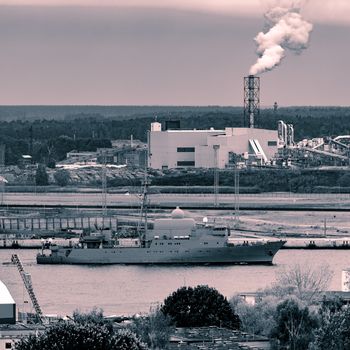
(56, 224)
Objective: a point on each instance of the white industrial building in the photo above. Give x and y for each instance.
(7, 306)
(210, 148)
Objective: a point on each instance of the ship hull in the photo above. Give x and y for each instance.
(230, 254)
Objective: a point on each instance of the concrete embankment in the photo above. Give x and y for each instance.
(263, 201)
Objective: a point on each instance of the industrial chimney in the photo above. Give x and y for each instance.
(251, 101)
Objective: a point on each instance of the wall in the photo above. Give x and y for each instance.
(5, 343)
(164, 144)
(7, 313)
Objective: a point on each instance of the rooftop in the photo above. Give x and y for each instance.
(215, 338)
(5, 296)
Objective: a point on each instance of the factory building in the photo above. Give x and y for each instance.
(246, 146)
(176, 148)
(7, 306)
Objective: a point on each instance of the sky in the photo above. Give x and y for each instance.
(164, 52)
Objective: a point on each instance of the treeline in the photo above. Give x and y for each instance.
(51, 139)
(262, 180)
(48, 151)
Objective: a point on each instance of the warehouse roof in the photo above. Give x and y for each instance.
(5, 296)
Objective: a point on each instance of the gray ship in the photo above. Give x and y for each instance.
(175, 240)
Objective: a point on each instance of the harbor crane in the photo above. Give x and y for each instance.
(29, 287)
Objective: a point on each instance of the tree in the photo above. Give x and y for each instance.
(154, 329)
(334, 332)
(86, 331)
(259, 318)
(198, 307)
(62, 177)
(41, 177)
(295, 325)
(302, 281)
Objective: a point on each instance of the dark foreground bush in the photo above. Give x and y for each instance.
(84, 336)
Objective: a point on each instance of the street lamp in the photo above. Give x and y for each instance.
(3, 181)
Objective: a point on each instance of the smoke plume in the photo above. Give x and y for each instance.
(286, 30)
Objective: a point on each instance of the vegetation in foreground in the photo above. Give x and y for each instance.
(187, 307)
(295, 314)
(85, 331)
(292, 313)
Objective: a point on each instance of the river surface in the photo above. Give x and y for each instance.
(129, 289)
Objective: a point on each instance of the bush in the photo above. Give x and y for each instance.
(62, 177)
(154, 330)
(87, 331)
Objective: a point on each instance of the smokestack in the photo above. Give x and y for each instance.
(251, 101)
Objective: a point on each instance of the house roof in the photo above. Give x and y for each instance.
(5, 296)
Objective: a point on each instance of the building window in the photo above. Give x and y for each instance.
(164, 167)
(272, 143)
(8, 346)
(185, 149)
(185, 163)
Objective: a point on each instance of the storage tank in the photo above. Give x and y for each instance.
(345, 280)
(7, 306)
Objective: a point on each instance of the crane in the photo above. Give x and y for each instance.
(29, 287)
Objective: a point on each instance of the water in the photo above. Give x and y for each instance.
(123, 289)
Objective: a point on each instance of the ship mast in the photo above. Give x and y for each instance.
(144, 207)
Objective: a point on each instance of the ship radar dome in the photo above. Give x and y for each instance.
(177, 213)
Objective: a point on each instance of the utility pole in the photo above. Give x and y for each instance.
(236, 173)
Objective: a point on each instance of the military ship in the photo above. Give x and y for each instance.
(174, 240)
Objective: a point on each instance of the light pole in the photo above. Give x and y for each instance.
(3, 181)
(216, 175)
(236, 173)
